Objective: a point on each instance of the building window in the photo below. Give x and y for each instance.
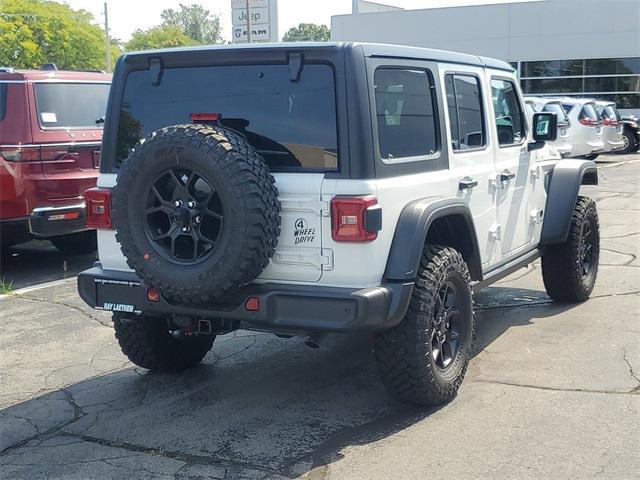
(508, 113)
(466, 119)
(405, 113)
(611, 79)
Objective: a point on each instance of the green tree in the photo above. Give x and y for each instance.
(195, 21)
(33, 32)
(307, 32)
(162, 36)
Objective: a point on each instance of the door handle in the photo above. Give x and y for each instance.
(506, 176)
(467, 183)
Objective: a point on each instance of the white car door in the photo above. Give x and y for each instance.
(513, 165)
(471, 158)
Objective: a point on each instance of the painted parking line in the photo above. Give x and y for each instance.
(40, 286)
(618, 164)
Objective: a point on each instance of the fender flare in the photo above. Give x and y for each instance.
(563, 188)
(411, 232)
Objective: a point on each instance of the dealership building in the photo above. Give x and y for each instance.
(586, 48)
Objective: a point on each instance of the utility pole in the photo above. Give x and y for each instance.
(248, 23)
(107, 41)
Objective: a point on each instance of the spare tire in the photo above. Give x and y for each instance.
(196, 212)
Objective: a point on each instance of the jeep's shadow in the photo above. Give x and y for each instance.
(38, 261)
(257, 402)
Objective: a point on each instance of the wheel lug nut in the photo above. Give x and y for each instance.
(185, 229)
(191, 204)
(198, 219)
(177, 203)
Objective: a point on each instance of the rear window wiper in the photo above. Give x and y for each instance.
(99, 121)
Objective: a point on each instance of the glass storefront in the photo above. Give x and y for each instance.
(615, 79)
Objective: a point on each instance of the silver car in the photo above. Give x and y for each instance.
(563, 143)
(612, 126)
(586, 132)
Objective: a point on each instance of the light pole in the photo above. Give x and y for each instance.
(107, 42)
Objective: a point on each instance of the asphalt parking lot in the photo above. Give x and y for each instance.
(553, 390)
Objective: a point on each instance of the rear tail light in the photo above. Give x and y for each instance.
(588, 122)
(610, 122)
(28, 153)
(98, 202)
(355, 219)
(37, 153)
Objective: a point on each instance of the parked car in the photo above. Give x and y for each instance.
(332, 187)
(586, 132)
(563, 144)
(50, 137)
(630, 134)
(612, 126)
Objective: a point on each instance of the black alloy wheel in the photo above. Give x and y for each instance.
(447, 325)
(184, 216)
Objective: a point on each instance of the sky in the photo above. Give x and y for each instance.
(125, 16)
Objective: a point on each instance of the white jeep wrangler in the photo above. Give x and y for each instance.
(310, 188)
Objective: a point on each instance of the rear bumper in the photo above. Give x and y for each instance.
(47, 222)
(287, 308)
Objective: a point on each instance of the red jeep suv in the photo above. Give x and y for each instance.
(50, 136)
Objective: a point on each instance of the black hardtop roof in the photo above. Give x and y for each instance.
(368, 49)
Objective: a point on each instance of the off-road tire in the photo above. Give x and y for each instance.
(247, 191)
(80, 243)
(146, 341)
(403, 354)
(562, 267)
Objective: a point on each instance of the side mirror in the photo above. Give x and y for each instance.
(545, 127)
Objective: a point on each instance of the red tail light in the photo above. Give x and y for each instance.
(355, 219)
(610, 122)
(37, 153)
(98, 202)
(28, 153)
(588, 122)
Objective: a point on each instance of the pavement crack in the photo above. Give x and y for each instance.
(62, 304)
(633, 374)
(171, 454)
(634, 391)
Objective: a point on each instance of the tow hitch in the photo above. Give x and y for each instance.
(188, 327)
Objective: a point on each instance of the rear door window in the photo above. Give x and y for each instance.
(508, 113)
(609, 112)
(405, 113)
(466, 118)
(292, 124)
(71, 105)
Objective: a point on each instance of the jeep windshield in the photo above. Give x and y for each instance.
(292, 124)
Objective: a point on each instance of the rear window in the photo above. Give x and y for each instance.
(71, 105)
(558, 110)
(589, 111)
(292, 124)
(609, 112)
(3, 100)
